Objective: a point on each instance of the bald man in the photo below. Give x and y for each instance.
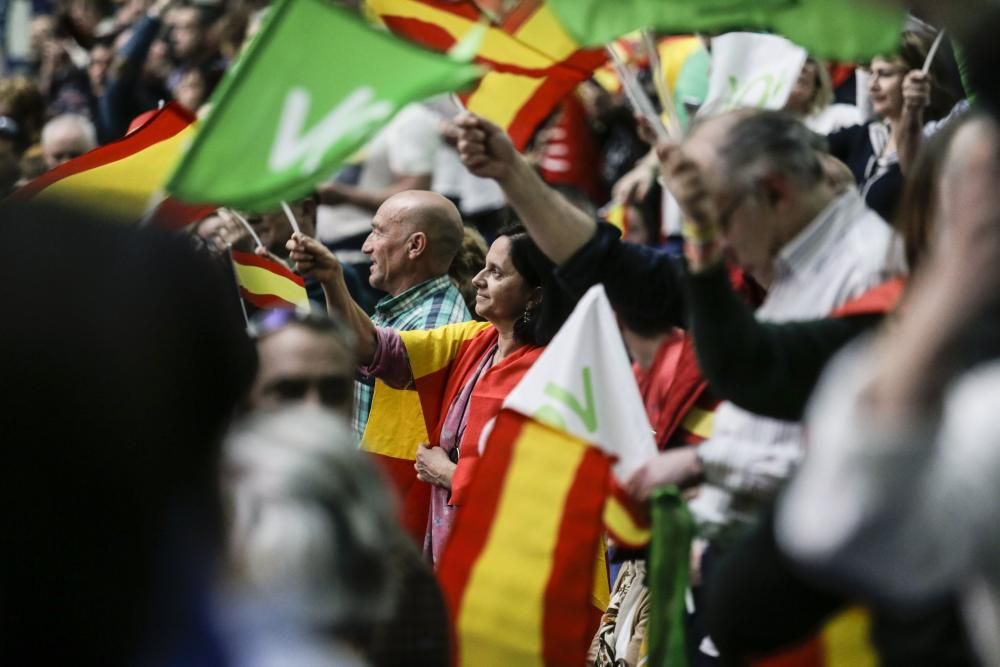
(414, 239)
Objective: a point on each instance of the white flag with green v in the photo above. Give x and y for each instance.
(312, 88)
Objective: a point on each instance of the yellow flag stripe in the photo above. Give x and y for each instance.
(127, 187)
(545, 31)
(257, 280)
(432, 350)
(699, 422)
(674, 55)
(620, 522)
(500, 96)
(400, 410)
(845, 640)
(497, 45)
(506, 594)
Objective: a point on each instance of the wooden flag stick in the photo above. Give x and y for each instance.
(247, 225)
(291, 217)
(637, 96)
(933, 52)
(662, 87)
(236, 284)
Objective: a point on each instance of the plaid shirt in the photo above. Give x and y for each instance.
(429, 305)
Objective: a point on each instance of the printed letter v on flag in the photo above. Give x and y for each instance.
(314, 86)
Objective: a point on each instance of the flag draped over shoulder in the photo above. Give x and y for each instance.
(312, 88)
(835, 29)
(125, 178)
(401, 419)
(533, 62)
(266, 283)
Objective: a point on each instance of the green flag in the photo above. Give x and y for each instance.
(667, 578)
(850, 30)
(311, 89)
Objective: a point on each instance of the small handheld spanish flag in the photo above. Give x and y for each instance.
(267, 284)
(125, 178)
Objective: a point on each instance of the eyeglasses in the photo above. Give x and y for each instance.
(886, 73)
(334, 390)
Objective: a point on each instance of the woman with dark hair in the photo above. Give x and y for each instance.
(517, 295)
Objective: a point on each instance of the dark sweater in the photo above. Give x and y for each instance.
(765, 368)
(853, 146)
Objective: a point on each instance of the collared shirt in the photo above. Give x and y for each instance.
(431, 304)
(839, 256)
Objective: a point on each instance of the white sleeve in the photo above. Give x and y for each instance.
(413, 140)
(900, 508)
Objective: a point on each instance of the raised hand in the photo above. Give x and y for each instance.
(916, 90)
(485, 149)
(313, 259)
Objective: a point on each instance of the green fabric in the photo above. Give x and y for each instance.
(667, 574)
(835, 29)
(963, 70)
(692, 84)
(312, 88)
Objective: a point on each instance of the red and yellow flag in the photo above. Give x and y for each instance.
(125, 178)
(267, 284)
(397, 423)
(534, 61)
(523, 573)
(843, 642)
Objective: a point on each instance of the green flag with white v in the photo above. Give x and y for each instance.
(311, 89)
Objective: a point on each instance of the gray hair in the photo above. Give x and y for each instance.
(73, 122)
(764, 142)
(309, 520)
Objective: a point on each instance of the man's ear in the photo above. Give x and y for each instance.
(777, 189)
(416, 245)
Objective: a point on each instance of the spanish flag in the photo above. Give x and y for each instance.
(521, 573)
(534, 61)
(125, 178)
(583, 385)
(267, 284)
(442, 361)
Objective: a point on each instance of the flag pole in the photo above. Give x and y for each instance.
(247, 225)
(933, 52)
(636, 95)
(662, 89)
(291, 217)
(236, 284)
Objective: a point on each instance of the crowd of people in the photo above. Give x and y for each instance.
(808, 296)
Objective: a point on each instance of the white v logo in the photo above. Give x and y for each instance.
(349, 119)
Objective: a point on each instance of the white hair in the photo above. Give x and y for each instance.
(309, 519)
(71, 122)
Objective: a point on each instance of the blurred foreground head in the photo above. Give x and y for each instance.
(123, 357)
(310, 523)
